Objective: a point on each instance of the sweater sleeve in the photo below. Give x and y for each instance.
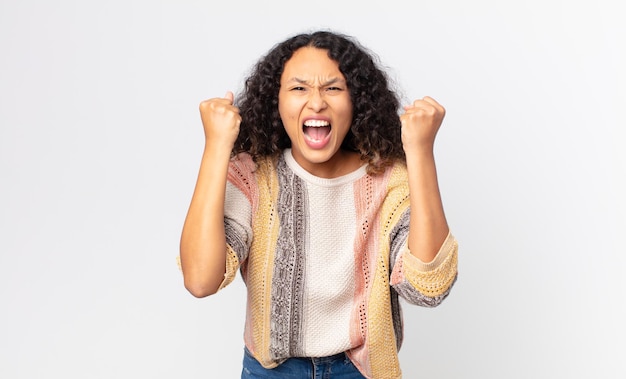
(426, 284)
(238, 230)
(238, 215)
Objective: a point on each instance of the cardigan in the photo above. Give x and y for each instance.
(283, 225)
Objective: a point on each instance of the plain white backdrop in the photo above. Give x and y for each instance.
(100, 142)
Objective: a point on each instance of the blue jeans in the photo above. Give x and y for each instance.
(334, 367)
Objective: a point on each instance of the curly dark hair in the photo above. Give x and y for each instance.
(375, 130)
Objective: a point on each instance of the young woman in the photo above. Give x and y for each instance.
(326, 199)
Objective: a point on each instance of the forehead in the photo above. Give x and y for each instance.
(310, 62)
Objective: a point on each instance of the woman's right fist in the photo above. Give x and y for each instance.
(220, 119)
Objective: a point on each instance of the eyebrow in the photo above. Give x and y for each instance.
(326, 83)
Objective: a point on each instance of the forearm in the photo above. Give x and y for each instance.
(428, 226)
(203, 241)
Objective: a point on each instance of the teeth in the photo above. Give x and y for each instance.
(316, 123)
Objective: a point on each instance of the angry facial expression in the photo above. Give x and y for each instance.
(316, 110)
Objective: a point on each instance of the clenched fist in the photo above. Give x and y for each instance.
(220, 119)
(420, 124)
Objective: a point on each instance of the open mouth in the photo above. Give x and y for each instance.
(316, 130)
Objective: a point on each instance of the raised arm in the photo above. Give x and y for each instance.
(428, 225)
(203, 240)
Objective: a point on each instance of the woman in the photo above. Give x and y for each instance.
(327, 201)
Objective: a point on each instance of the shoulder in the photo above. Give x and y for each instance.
(243, 169)
(242, 161)
(398, 169)
(393, 175)
(397, 182)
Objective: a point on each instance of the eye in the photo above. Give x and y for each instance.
(334, 89)
(297, 89)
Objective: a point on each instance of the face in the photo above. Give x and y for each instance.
(316, 110)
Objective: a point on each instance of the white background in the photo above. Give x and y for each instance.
(100, 142)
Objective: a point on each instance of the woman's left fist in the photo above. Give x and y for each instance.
(420, 123)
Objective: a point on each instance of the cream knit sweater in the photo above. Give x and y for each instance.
(325, 260)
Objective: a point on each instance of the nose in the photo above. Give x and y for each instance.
(316, 101)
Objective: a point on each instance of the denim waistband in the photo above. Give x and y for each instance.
(324, 360)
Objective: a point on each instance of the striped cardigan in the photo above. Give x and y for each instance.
(268, 235)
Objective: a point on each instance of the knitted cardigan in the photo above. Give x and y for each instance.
(263, 242)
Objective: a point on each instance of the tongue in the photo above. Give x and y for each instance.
(317, 133)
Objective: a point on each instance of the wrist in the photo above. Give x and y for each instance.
(419, 151)
(218, 147)
(216, 152)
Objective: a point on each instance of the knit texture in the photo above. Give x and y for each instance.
(282, 225)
